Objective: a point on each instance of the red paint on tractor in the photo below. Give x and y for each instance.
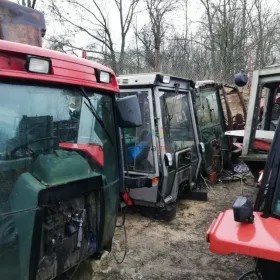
(260, 239)
(65, 69)
(93, 151)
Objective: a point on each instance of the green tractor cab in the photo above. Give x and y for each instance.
(61, 166)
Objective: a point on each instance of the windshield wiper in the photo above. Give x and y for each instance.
(93, 111)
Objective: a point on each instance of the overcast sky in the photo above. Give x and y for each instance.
(177, 19)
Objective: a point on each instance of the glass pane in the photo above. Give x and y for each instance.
(36, 120)
(209, 120)
(177, 122)
(209, 117)
(139, 141)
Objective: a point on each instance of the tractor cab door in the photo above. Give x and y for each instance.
(212, 126)
(180, 159)
(140, 147)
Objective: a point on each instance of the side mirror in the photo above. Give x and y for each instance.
(128, 110)
(168, 159)
(240, 79)
(243, 210)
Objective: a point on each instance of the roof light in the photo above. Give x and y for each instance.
(103, 77)
(165, 79)
(38, 65)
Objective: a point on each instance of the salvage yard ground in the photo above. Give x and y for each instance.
(178, 250)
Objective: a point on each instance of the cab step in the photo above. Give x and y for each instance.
(198, 195)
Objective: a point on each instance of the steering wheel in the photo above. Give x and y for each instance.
(30, 151)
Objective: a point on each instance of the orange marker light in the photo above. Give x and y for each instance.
(155, 182)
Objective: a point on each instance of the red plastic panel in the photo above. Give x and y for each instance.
(260, 145)
(261, 239)
(94, 151)
(66, 69)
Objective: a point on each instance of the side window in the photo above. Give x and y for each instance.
(139, 141)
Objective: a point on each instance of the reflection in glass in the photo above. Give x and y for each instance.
(139, 140)
(177, 122)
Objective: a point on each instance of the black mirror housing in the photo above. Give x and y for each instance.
(240, 79)
(243, 210)
(128, 110)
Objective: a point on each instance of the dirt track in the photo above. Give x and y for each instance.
(177, 250)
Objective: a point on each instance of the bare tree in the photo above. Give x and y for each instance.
(228, 32)
(28, 3)
(151, 35)
(94, 23)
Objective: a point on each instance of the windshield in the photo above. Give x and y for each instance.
(139, 141)
(35, 120)
(177, 122)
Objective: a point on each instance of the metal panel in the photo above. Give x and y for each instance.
(195, 127)
(269, 71)
(265, 107)
(137, 79)
(251, 112)
(204, 83)
(134, 80)
(161, 135)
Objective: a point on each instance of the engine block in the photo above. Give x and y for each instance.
(68, 235)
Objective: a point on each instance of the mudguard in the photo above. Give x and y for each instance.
(260, 239)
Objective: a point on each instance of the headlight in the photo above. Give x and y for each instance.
(38, 65)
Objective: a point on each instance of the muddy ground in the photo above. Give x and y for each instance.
(178, 250)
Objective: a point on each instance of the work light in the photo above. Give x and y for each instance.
(103, 77)
(38, 65)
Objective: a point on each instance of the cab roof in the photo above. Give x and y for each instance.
(269, 70)
(205, 82)
(66, 69)
(149, 79)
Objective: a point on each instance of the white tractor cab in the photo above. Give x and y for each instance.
(262, 117)
(162, 156)
(212, 126)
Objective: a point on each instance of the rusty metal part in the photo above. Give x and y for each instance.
(229, 115)
(235, 90)
(21, 24)
(242, 102)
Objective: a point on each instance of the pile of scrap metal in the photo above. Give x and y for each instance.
(247, 229)
(262, 118)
